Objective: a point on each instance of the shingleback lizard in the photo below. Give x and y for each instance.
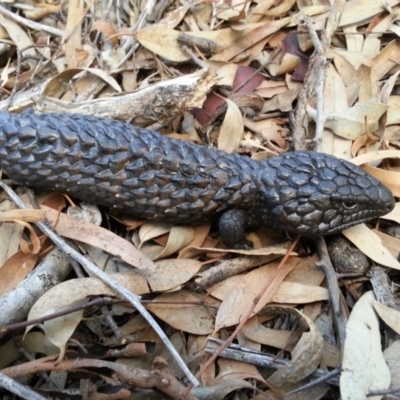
(147, 175)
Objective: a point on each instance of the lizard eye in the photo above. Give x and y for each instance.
(349, 205)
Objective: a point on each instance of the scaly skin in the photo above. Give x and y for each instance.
(147, 175)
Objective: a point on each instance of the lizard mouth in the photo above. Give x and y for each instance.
(354, 219)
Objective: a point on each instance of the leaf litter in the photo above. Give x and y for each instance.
(247, 65)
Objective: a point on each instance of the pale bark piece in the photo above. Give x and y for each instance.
(156, 103)
(363, 368)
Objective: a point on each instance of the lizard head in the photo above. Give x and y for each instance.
(315, 194)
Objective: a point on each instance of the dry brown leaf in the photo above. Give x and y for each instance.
(389, 178)
(370, 244)
(351, 124)
(356, 12)
(259, 333)
(268, 89)
(183, 310)
(9, 237)
(15, 269)
(226, 74)
(105, 28)
(173, 18)
(178, 238)
(151, 230)
(280, 339)
(59, 330)
(67, 292)
(247, 41)
(234, 11)
(200, 234)
(269, 130)
(389, 315)
(20, 38)
(76, 229)
(41, 10)
(34, 343)
(383, 62)
(393, 114)
(394, 215)
(391, 243)
(164, 42)
(374, 156)
(392, 357)
(287, 292)
(75, 291)
(229, 369)
(335, 101)
(241, 297)
(362, 356)
(258, 12)
(169, 274)
(387, 88)
(296, 293)
(231, 131)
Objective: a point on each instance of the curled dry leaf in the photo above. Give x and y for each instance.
(363, 367)
(306, 355)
